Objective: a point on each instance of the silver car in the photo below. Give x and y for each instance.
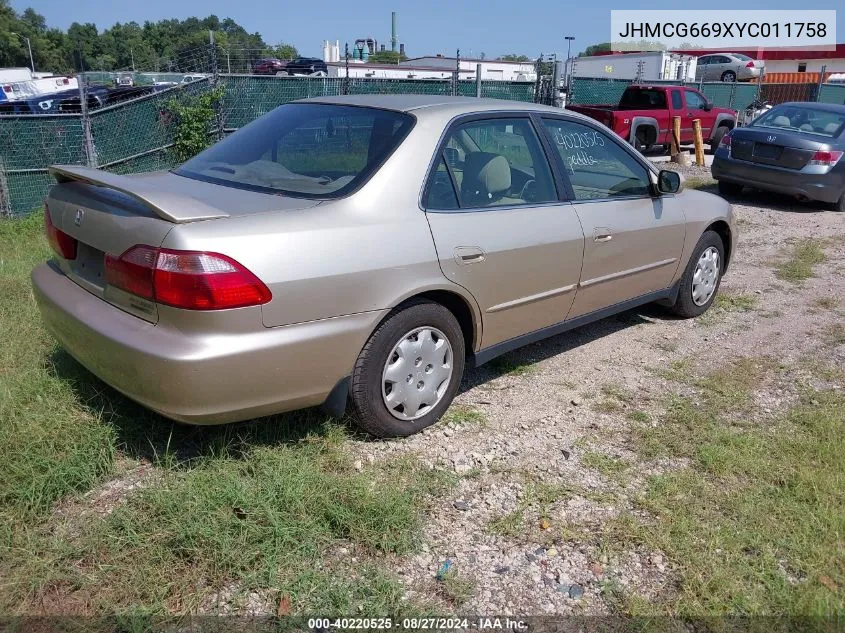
(728, 67)
(364, 250)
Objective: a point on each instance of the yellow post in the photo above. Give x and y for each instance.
(699, 143)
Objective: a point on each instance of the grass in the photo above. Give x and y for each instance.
(834, 334)
(455, 588)
(699, 183)
(637, 416)
(726, 303)
(826, 303)
(606, 465)
(753, 525)
(504, 365)
(533, 509)
(460, 415)
(805, 255)
(257, 507)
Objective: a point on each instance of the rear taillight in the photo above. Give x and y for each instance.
(826, 158)
(191, 280)
(750, 65)
(726, 140)
(62, 243)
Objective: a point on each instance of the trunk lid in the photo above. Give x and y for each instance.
(108, 214)
(770, 146)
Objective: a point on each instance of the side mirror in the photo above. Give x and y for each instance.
(670, 181)
(707, 106)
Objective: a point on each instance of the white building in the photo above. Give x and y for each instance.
(490, 68)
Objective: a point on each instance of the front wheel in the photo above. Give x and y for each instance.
(409, 371)
(702, 276)
(717, 137)
(729, 188)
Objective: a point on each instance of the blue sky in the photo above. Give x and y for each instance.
(494, 27)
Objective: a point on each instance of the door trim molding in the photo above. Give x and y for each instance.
(489, 353)
(625, 273)
(531, 298)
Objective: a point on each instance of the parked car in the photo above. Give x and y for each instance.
(365, 248)
(794, 148)
(644, 116)
(306, 66)
(728, 67)
(269, 66)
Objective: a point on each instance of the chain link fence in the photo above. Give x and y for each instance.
(136, 135)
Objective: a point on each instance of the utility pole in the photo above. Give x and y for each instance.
(568, 39)
(132, 56)
(29, 46)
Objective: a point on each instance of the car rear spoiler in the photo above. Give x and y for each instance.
(168, 205)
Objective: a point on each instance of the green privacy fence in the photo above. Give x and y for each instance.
(831, 93)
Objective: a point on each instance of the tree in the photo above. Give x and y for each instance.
(511, 57)
(387, 57)
(595, 49)
(178, 45)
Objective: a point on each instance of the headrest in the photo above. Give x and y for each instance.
(831, 128)
(782, 121)
(486, 177)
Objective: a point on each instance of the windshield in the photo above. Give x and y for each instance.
(803, 119)
(306, 150)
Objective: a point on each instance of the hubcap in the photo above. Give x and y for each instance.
(705, 276)
(417, 373)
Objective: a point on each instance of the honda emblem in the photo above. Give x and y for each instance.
(771, 138)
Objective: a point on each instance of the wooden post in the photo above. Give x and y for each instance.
(675, 154)
(699, 143)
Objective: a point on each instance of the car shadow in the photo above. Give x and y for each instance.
(776, 201)
(524, 357)
(145, 435)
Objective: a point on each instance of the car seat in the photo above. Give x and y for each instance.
(487, 178)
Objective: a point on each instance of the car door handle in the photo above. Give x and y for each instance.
(469, 254)
(602, 234)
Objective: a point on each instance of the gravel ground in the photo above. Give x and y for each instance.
(540, 424)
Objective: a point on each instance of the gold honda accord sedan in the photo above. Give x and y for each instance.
(363, 251)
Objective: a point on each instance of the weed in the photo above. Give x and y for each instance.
(455, 588)
(805, 255)
(507, 366)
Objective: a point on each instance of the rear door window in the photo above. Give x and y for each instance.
(493, 162)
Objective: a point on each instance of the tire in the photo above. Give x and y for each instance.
(718, 134)
(729, 188)
(368, 382)
(686, 305)
(729, 76)
(840, 206)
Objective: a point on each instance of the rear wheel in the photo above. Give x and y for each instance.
(409, 371)
(729, 188)
(718, 134)
(729, 76)
(702, 276)
(840, 206)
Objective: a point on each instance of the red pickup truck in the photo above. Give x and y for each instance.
(644, 116)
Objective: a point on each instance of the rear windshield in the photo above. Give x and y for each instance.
(307, 150)
(643, 99)
(744, 58)
(803, 119)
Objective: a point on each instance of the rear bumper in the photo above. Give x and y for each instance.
(201, 378)
(821, 187)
